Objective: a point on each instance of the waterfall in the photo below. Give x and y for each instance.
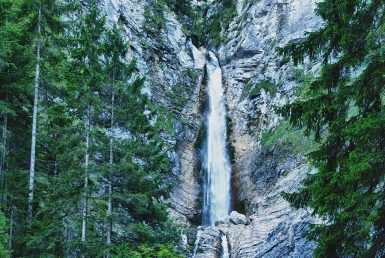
(216, 203)
(199, 233)
(215, 158)
(225, 248)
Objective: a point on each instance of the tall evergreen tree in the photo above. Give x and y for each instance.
(347, 99)
(136, 154)
(118, 72)
(14, 111)
(87, 79)
(44, 23)
(10, 32)
(59, 157)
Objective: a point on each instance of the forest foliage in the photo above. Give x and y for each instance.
(97, 182)
(200, 23)
(344, 112)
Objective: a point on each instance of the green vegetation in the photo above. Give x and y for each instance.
(202, 135)
(264, 84)
(284, 61)
(154, 18)
(219, 22)
(97, 175)
(201, 29)
(160, 251)
(4, 236)
(230, 147)
(289, 138)
(240, 207)
(347, 193)
(179, 94)
(304, 80)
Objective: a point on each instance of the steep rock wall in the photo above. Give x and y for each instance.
(248, 59)
(260, 173)
(174, 69)
(256, 81)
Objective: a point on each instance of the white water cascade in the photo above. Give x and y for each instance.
(216, 161)
(199, 233)
(225, 248)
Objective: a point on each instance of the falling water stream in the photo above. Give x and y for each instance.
(216, 161)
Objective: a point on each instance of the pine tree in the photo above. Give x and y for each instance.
(345, 112)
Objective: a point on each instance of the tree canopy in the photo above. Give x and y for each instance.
(345, 113)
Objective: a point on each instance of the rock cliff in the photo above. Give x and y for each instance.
(265, 160)
(174, 69)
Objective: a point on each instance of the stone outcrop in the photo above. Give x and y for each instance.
(174, 71)
(239, 219)
(209, 243)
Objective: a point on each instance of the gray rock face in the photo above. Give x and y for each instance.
(209, 244)
(173, 68)
(275, 228)
(270, 227)
(238, 219)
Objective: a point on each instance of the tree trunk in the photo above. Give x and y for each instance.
(85, 197)
(34, 122)
(4, 150)
(55, 173)
(11, 228)
(109, 211)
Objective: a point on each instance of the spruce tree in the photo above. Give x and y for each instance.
(18, 81)
(44, 23)
(86, 81)
(15, 103)
(59, 154)
(136, 154)
(118, 72)
(345, 113)
(10, 32)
